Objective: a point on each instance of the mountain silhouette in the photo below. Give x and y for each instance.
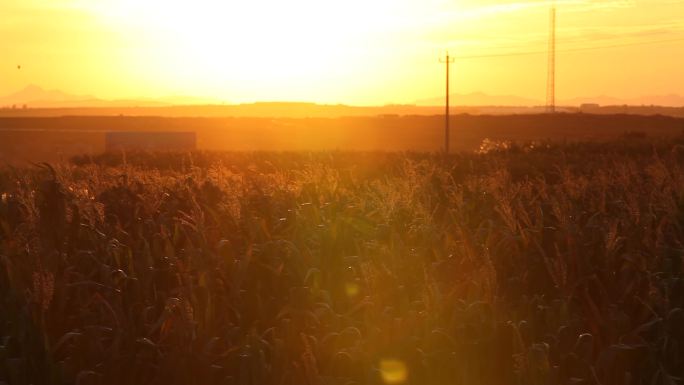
(36, 96)
(483, 99)
(480, 99)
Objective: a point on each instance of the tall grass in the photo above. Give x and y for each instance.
(547, 264)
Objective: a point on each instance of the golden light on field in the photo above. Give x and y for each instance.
(329, 51)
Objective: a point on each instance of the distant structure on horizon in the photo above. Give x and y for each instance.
(150, 141)
(589, 106)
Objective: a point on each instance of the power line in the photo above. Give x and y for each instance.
(565, 40)
(581, 49)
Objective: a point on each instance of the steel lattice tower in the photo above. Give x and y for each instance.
(551, 75)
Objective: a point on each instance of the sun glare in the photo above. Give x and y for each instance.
(329, 51)
(256, 44)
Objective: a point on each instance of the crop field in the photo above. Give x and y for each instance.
(544, 263)
(55, 139)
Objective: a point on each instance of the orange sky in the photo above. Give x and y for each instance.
(354, 51)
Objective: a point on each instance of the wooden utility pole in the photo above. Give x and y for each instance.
(551, 69)
(447, 61)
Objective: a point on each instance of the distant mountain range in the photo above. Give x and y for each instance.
(36, 97)
(482, 99)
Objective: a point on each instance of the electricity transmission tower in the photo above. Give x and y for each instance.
(551, 74)
(447, 61)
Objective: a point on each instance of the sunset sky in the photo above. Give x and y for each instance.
(330, 51)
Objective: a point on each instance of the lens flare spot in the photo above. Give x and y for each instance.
(393, 371)
(352, 289)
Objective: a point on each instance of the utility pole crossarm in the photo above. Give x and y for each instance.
(447, 61)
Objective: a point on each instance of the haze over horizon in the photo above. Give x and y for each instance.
(305, 50)
(34, 96)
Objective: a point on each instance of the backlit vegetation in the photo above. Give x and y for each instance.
(544, 264)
